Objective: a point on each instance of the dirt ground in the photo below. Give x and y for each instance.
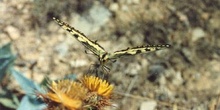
(183, 77)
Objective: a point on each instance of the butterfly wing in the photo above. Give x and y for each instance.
(137, 50)
(91, 45)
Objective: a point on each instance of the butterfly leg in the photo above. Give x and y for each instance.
(105, 69)
(95, 69)
(92, 69)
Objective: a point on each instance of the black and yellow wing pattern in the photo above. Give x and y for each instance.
(99, 51)
(135, 50)
(89, 44)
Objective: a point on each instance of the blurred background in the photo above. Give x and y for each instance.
(183, 77)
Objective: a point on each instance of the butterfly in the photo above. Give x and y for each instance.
(99, 51)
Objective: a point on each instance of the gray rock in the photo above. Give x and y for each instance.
(89, 23)
(197, 33)
(148, 105)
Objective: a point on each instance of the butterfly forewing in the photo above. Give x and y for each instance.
(137, 50)
(91, 45)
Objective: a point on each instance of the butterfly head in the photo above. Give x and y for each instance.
(104, 58)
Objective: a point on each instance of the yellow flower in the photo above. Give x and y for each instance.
(69, 103)
(95, 84)
(65, 93)
(71, 88)
(91, 93)
(99, 92)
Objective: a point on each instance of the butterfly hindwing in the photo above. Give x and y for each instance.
(136, 50)
(89, 44)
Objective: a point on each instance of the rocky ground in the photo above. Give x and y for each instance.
(183, 77)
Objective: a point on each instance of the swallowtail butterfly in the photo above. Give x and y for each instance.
(100, 52)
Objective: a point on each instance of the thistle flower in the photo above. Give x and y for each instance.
(99, 91)
(95, 84)
(65, 95)
(91, 93)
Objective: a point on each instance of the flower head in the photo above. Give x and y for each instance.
(65, 94)
(95, 84)
(99, 91)
(91, 93)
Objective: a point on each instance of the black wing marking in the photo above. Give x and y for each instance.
(136, 50)
(89, 44)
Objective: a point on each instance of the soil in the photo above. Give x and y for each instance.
(183, 77)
